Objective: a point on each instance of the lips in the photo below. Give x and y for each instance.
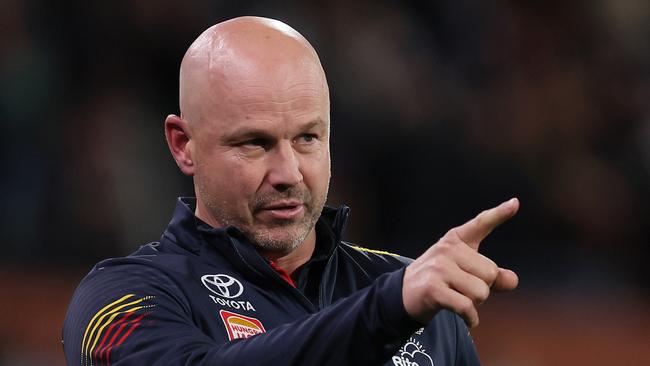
(283, 210)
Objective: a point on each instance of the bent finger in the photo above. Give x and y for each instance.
(506, 280)
(477, 264)
(460, 304)
(469, 286)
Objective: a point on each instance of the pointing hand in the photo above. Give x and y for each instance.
(453, 275)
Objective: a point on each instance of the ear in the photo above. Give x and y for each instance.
(179, 141)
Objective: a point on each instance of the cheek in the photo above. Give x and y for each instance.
(230, 179)
(243, 182)
(316, 173)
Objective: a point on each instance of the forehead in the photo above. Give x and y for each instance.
(275, 110)
(301, 98)
(260, 94)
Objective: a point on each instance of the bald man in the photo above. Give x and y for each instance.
(253, 270)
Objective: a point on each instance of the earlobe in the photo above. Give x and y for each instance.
(178, 141)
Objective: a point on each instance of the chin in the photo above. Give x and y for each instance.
(280, 239)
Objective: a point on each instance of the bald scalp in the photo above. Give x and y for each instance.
(242, 51)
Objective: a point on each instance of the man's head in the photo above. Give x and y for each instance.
(254, 130)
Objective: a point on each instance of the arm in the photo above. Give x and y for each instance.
(162, 331)
(466, 354)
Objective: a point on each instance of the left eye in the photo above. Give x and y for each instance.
(307, 137)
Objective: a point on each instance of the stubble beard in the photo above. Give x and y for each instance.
(278, 236)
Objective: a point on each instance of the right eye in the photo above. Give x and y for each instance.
(255, 143)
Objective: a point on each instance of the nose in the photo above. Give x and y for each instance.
(284, 170)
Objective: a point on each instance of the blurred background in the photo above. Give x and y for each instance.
(439, 110)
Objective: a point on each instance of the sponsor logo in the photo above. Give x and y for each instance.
(237, 305)
(240, 326)
(227, 288)
(223, 285)
(412, 354)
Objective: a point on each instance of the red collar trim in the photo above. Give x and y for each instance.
(285, 276)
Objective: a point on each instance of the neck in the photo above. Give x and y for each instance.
(202, 214)
(292, 261)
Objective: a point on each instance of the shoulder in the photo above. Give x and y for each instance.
(123, 292)
(149, 262)
(148, 288)
(135, 282)
(146, 269)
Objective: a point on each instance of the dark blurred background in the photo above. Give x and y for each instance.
(439, 110)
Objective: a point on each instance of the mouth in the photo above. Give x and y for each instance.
(283, 210)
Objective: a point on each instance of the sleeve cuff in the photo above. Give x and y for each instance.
(398, 321)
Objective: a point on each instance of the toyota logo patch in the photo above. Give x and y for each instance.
(223, 285)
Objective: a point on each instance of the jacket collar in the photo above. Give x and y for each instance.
(192, 234)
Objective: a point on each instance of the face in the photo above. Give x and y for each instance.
(261, 155)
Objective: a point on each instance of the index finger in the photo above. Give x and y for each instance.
(475, 230)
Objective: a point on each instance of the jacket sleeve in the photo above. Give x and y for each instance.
(466, 354)
(151, 324)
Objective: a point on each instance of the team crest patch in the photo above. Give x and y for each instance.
(240, 326)
(412, 354)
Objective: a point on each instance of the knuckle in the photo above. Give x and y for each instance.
(476, 321)
(429, 280)
(442, 248)
(480, 219)
(451, 236)
(483, 294)
(474, 318)
(493, 273)
(447, 245)
(438, 266)
(466, 306)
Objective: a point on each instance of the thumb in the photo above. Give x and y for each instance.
(506, 280)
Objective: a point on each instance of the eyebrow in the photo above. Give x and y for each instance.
(245, 133)
(313, 123)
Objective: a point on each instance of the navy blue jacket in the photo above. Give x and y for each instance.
(204, 296)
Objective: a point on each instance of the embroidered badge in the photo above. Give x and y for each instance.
(240, 326)
(412, 354)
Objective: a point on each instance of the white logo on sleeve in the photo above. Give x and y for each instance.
(223, 285)
(412, 354)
